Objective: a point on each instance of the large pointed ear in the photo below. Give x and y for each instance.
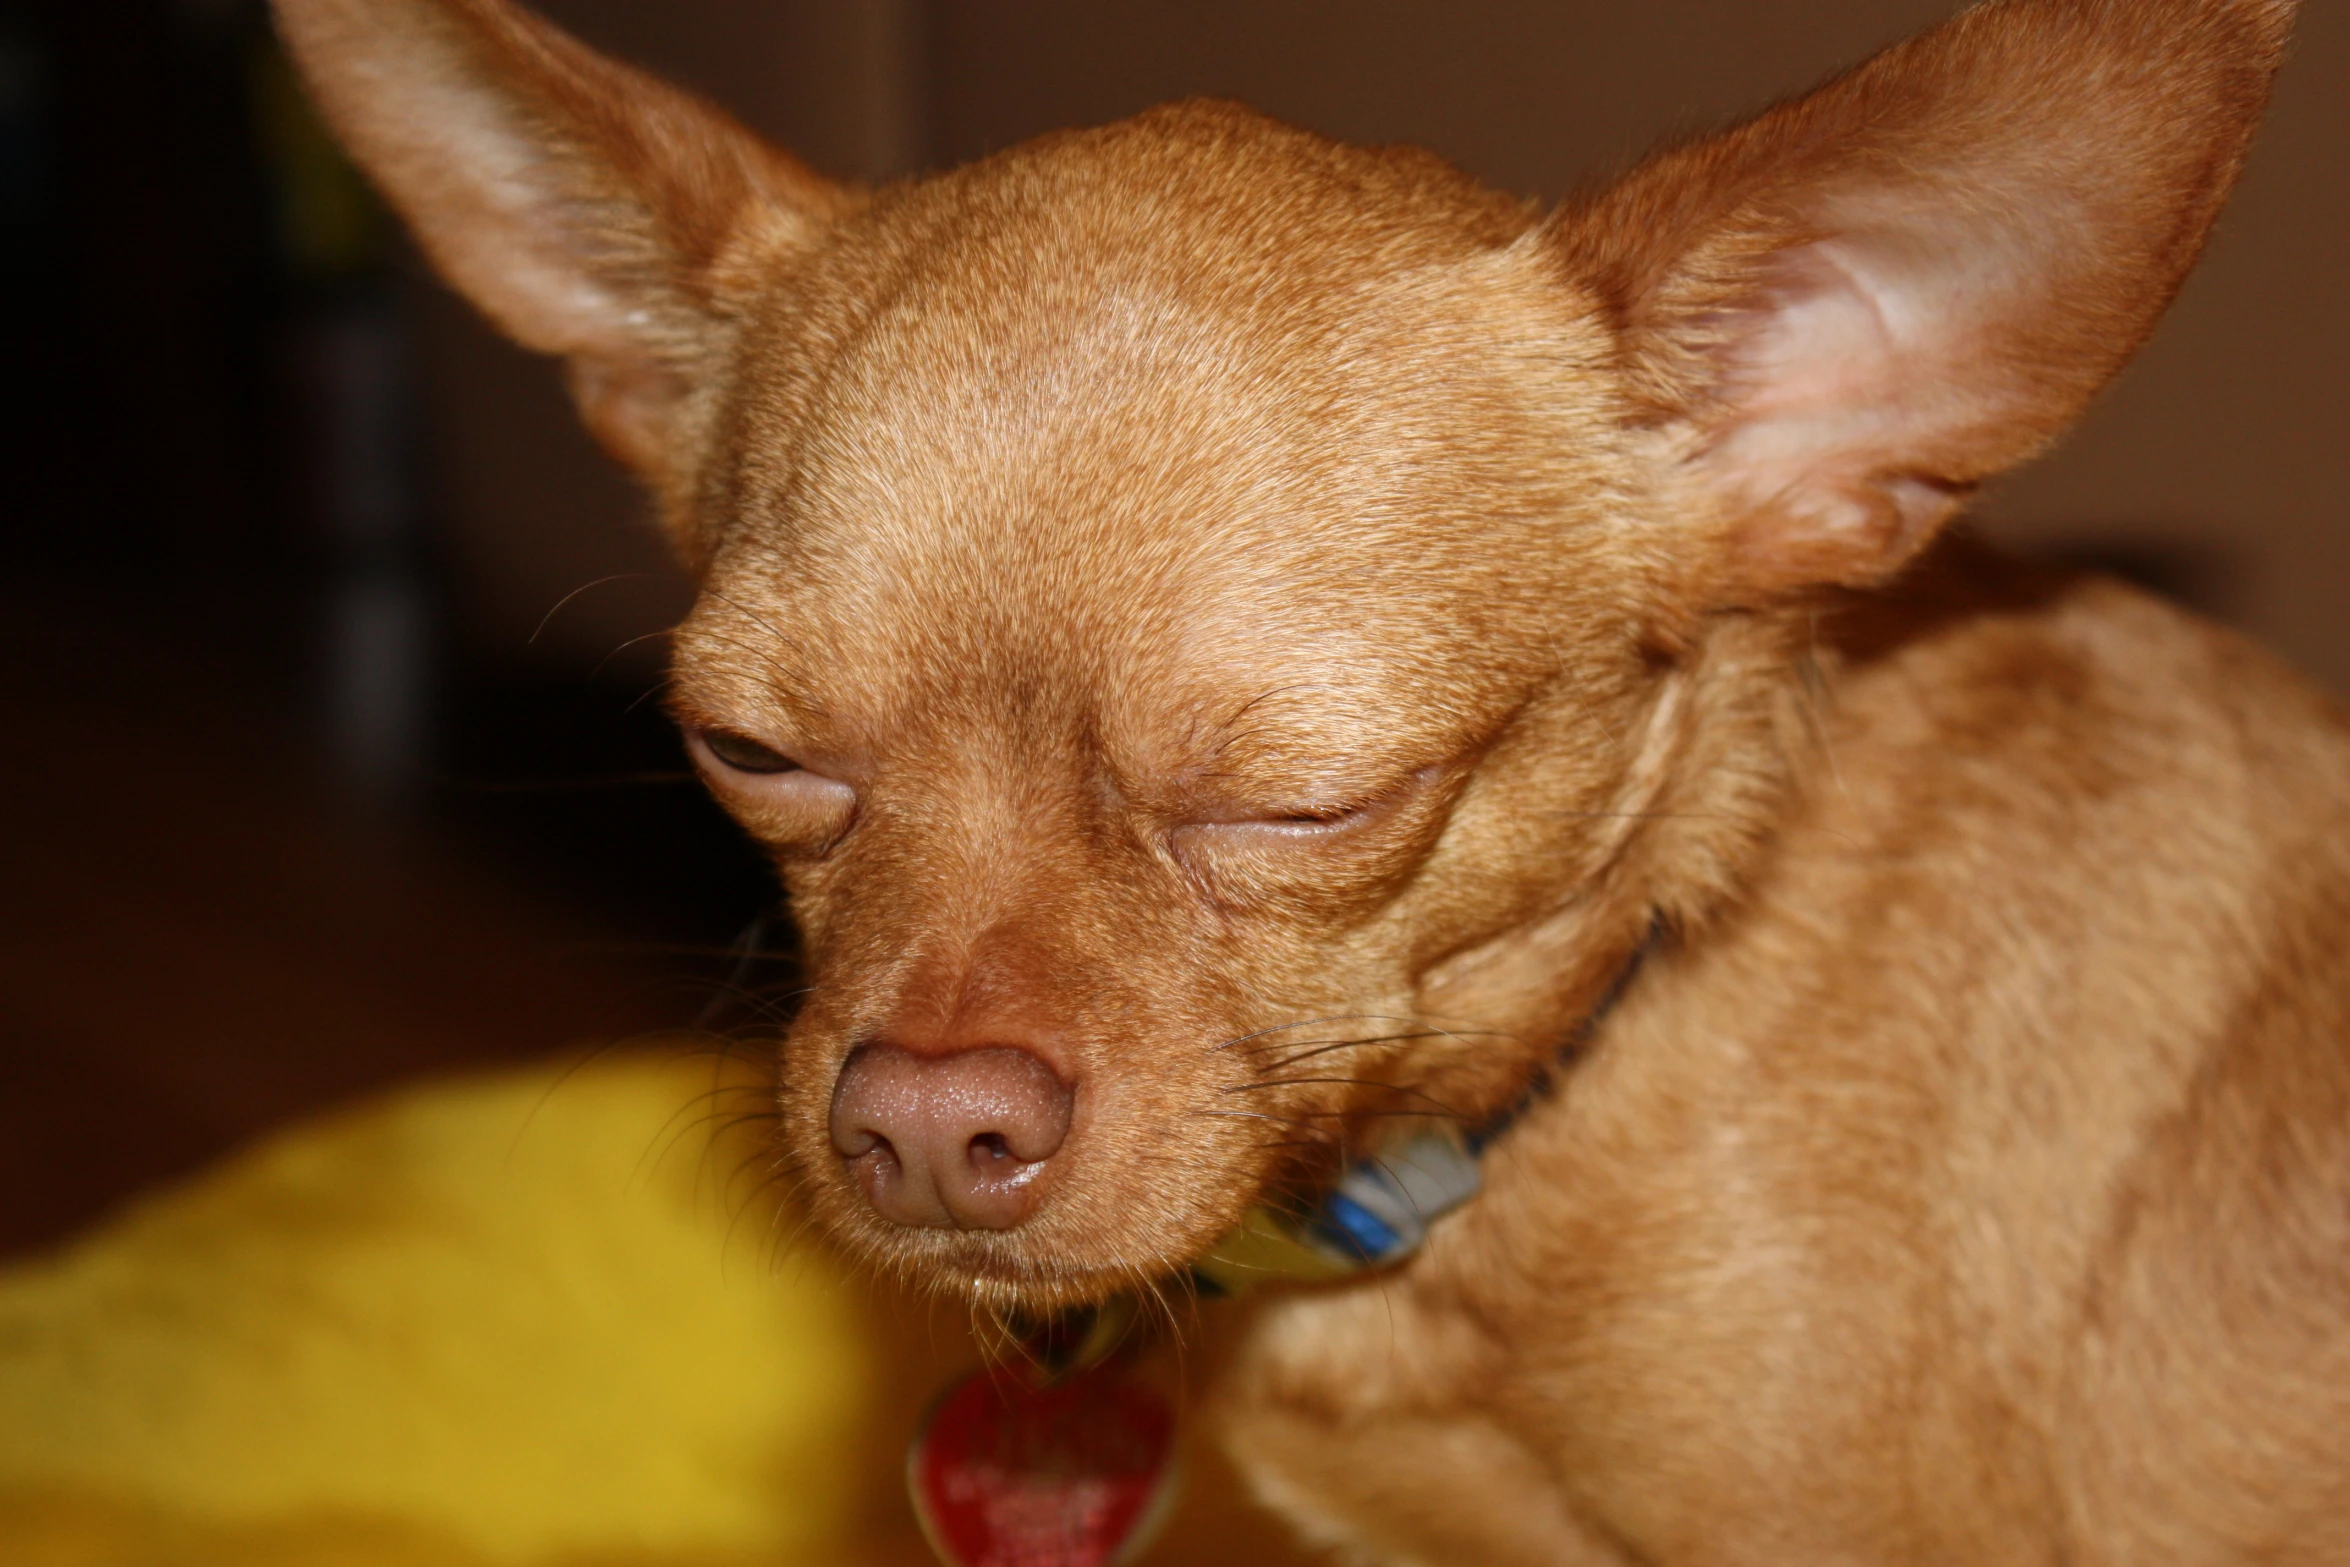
(1851, 311)
(590, 210)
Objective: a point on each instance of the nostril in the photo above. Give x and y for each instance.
(991, 1154)
(857, 1142)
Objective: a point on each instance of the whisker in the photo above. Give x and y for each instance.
(1316, 1022)
(587, 1058)
(760, 620)
(647, 694)
(1343, 1082)
(748, 945)
(1325, 1047)
(623, 647)
(775, 1012)
(670, 1133)
(763, 655)
(1245, 1115)
(588, 587)
(1336, 1115)
(720, 1128)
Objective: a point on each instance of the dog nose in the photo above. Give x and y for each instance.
(949, 1140)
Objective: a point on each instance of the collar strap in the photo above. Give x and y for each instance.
(1379, 1210)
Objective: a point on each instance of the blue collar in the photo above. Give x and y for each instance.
(1379, 1210)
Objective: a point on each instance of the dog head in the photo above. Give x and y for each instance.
(1230, 637)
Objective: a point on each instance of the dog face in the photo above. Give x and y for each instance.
(1231, 637)
(1158, 677)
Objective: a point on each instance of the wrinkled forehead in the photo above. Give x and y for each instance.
(1101, 477)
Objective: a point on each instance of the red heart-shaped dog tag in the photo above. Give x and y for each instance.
(1011, 1471)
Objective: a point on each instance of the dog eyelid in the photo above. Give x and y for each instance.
(1303, 826)
(1311, 819)
(791, 808)
(1308, 824)
(740, 753)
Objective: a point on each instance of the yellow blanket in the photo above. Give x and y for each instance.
(498, 1321)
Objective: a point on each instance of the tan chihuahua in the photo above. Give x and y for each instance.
(1237, 642)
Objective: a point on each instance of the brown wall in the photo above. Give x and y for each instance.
(2221, 459)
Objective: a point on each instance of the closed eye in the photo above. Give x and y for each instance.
(1271, 832)
(742, 753)
(1300, 827)
(783, 803)
(1320, 820)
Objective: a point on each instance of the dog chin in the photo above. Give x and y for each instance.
(1017, 1270)
(1014, 1280)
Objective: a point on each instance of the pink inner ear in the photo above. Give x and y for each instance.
(1863, 394)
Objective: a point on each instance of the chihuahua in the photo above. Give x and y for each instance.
(1239, 644)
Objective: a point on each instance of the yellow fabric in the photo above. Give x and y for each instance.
(495, 1321)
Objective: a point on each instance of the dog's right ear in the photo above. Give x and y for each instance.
(1857, 307)
(590, 210)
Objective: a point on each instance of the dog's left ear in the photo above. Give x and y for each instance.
(589, 210)
(1857, 307)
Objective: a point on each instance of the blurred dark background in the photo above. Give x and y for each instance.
(326, 754)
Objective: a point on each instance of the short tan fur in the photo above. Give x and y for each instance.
(1266, 628)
